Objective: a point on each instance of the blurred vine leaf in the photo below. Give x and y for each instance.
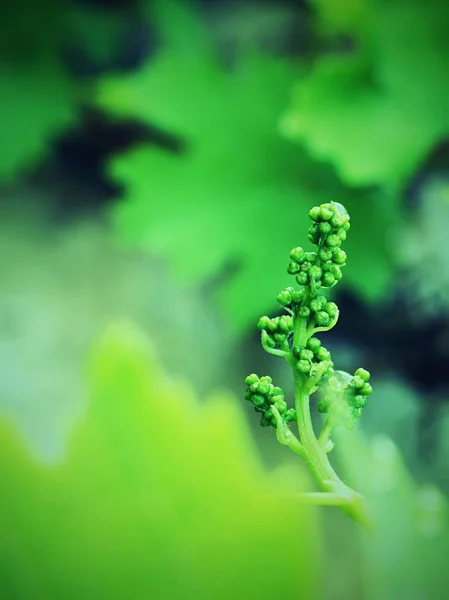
(240, 193)
(40, 95)
(376, 110)
(407, 552)
(157, 496)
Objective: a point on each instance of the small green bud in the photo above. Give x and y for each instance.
(302, 278)
(296, 350)
(317, 303)
(313, 344)
(360, 401)
(338, 221)
(339, 257)
(325, 254)
(310, 257)
(347, 226)
(253, 378)
(257, 400)
(298, 296)
(332, 309)
(325, 228)
(270, 341)
(326, 213)
(277, 391)
(297, 254)
(254, 387)
(322, 406)
(266, 379)
(313, 234)
(286, 324)
(358, 382)
(304, 311)
(263, 323)
(281, 405)
(263, 388)
(293, 267)
(363, 373)
(303, 366)
(367, 389)
(333, 240)
(328, 279)
(284, 298)
(336, 272)
(280, 338)
(290, 415)
(342, 234)
(306, 354)
(306, 265)
(323, 353)
(315, 273)
(272, 324)
(315, 213)
(322, 318)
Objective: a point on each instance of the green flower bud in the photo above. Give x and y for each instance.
(296, 350)
(284, 298)
(315, 273)
(328, 279)
(326, 213)
(270, 341)
(323, 353)
(253, 378)
(342, 235)
(303, 366)
(317, 303)
(277, 391)
(263, 323)
(280, 338)
(332, 309)
(310, 257)
(313, 344)
(293, 267)
(302, 278)
(333, 240)
(313, 234)
(263, 388)
(347, 226)
(304, 311)
(325, 254)
(266, 379)
(272, 324)
(336, 272)
(306, 265)
(281, 405)
(325, 228)
(254, 387)
(358, 382)
(315, 213)
(322, 406)
(366, 390)
(297, 254)
(359, 402)
(257, 400)
(306, 354)
(290, 415)
(363, 373)
(338, 221)
(322, 318)
(339, 257)
(298, 296)
(286, 324)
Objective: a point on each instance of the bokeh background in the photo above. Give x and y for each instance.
(158, 159)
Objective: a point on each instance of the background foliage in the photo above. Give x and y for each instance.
(158, 160)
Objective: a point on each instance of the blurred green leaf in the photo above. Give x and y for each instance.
(375, 111)
(157, 497)
(240, 194)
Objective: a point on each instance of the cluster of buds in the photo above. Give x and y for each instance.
(263, 395)
(345, 396)
(310, 356)
(278, 329)
(300, 303)
(328, 232)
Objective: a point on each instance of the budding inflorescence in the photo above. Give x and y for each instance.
(293, 337)
(344, 396)
(263, 395)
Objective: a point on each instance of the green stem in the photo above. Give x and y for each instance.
(317, 458)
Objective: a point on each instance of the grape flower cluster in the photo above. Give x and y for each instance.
(263, 395)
